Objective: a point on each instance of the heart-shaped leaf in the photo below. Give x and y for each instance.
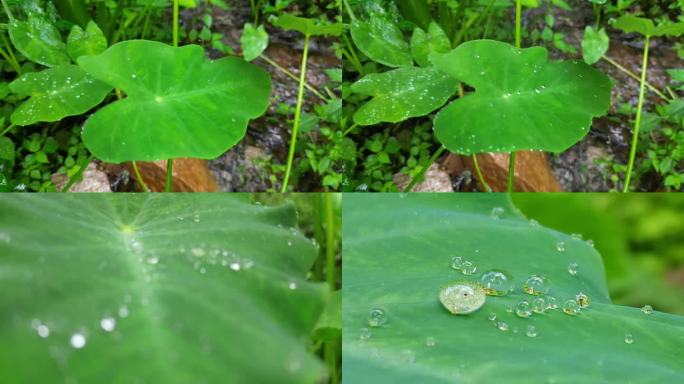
(139, 288)
(423, 44)
(643, 26)
(594, 44)
(178, 105)
(253, 41)
(397, 255)
(522, 101)
(39, 40)
(56, 93)
(382, 41)
(402, 93)
(83, 43)
(308, 27)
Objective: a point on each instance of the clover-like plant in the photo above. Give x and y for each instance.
(648, 29)
(309, 28)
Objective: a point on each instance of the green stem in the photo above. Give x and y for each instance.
(420, 174)
(489, 13)
(7, 11)
(351, 14)
(597, 11)
(635, 77)
(349, 129)
(637, 121)
(175, 23)
(518, 15)
(293, 76)
(480, 177)
(78, 174)
(169, 174)
(10, 53)
(511, 172)
(298, 114)
(7, 130)
(330, 246)
(138, 176)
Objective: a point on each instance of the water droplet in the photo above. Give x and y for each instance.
(457, 263)
(462, 297)
(108, 324)
(496, 213)
(196, 218)
(42, 329)
(492, 316)
(590, 243)
(551, 302)
(235, 265)
(582, 300)
(533, 223)
(572, 269)
(136, 246)
(571, 307)
(365, 334)
(123, 311)
(430, 341)
(408, 356)
(377, 317)
(576, 236)
(536, 285)
(153, 260)
(531, 331)
(523, 309)
(289, 243)
(468, 267)
(560, 246)
(502, 325)
(292, 285)
(134, 76)
(78, 340)
(647, 309)
(629, 339)
(197, 252)
(496, 283)
(539, 305)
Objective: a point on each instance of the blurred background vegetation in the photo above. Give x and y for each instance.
(639, 236)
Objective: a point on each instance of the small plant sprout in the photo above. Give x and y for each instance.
(648, 29)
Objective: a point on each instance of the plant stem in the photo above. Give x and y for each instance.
(9, 55)
(7, 11)
(518, 15)
(420, 174)
(349, 10)
(637, 121)
(635, 77)
(7, 130)
(175, 23)
(511, 172)
(330, 246)
(169, 174)
(345, 133)
(480, 177)
(293, 76)
(138, 176)
(298, 114)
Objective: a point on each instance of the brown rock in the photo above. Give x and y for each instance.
(93, 180)
(532, 171)
(435, 180)
(189, 175)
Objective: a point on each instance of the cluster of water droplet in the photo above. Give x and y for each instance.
(466, 266)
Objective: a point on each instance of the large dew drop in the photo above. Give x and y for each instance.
(78, 340)
(496, 283)
(377, 317)
(536, 285)
(647, 309)
(461, 298)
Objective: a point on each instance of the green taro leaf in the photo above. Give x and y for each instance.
(308, 27)
(39, 40)
(172, 289)
(397, 255)
(178, 105)
(402, 93)
(253, 41)
(382, 41)
(84, 43)
(629, 23)
(594, 44)
(423, 44)
(521, 100)
(56, 93)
